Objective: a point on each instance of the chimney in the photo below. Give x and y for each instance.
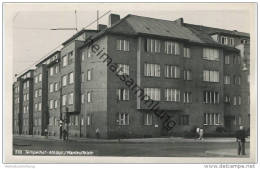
(101, 27)
(113, 18)
(179, 21)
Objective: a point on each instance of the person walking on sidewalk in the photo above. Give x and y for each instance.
(241, 139)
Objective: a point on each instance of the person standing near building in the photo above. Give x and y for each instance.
(46, 133)
(201, 134)
(97, 132)
(241, 139)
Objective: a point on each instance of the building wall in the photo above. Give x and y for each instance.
(97, 108)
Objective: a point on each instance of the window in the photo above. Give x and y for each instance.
(227, 60)
(64, 60)
(82, 121)
(51, 71)
(172, 47)
(64, 100)
(57, 69)
(123, 119)
(70, 99)
(148, 119)
(122, 45)
(123, 69)
(152, 93)
(40, 92)
(27, 96)
(244, 41)
(55, 104)
(173, 95)
(40, 77)
(184, 120)
(239, 100)
(82, 98)
(89, 97)
(153, 46)
(235, 100)
(122, 94)
(51, 88)
(236, 60)
(64, 80)
(211, 118)
(88, 120)
(231, 41)
(76, 120)
(51, 104)
(227, 99)
(36, 93)
(36, 79)
(40, 106)
(70, 57)
(210, 76)
(71, 78)
(226, 79)
(36, 106)
(224, 40)
(82, 77)
(82, 55)
(210, 97)
(210, 54)
(56, 87)
(24, 109)
(172, 71)
(187, 75)
(89, 53)
(237, 80)
(152, 70)
(187, 97)
(186, 52)
(89, 73)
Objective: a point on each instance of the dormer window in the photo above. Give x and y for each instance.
(231, 41)
(224, 40)
(244, 41)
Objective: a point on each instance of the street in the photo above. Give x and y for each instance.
(148, 149)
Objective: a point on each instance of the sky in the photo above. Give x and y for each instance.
(33, 39)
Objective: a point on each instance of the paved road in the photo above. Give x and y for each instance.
(177, 149)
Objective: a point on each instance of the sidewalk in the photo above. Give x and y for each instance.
(226, 153)
(131, 140)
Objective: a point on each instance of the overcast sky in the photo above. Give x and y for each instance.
(33, 39)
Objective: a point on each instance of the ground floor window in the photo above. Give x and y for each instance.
(184, 120)
(88, 120)
(211, 118)
(123, 119)
(148, 119)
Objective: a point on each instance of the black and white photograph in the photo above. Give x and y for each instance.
(151, 80)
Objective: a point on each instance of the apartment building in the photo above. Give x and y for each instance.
(23, 104)
(108, 79)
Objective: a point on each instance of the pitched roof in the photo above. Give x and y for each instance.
(211, 30)
(159, 27)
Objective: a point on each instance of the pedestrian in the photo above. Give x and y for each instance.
(197, 133)
(46, 133)
(241, 139)
(97, 132)
(64, 134)
(201, 134)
